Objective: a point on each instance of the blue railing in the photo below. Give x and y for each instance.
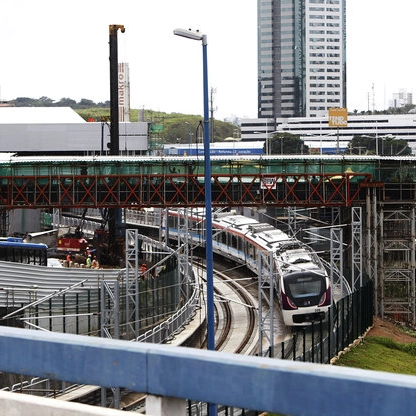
(274, 385)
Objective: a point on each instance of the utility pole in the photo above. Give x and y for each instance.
(114, 220)
(114, 143)
(213, 91)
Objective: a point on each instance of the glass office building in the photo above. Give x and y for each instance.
(301, 57)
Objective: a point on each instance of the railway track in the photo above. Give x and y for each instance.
(236, 313)
(236, 326)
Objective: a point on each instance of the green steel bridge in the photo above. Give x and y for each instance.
(117, 182)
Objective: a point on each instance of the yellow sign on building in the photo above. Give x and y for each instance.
(337, 117)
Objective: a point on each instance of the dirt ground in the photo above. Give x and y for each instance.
(387, 329)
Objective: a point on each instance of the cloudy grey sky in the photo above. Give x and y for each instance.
(60, 49)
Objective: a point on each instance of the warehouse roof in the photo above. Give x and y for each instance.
(39, 115)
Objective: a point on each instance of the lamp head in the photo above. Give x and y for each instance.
(190, 34)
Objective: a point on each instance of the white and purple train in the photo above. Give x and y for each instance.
(301, 279)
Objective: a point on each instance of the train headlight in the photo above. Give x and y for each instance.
(287, 303)
(325, 298)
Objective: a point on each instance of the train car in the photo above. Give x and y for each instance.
(301, 279)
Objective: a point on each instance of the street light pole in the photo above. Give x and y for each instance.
(267, 139)
(189, 137)
(196, 35)
(322, 136)
(376, 138)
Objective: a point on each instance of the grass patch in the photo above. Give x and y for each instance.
(381, 354)
(409, 331)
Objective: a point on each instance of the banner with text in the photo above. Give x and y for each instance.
(337, 117)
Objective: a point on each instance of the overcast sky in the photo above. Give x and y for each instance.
(60, 49)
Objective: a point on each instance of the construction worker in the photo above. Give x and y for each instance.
(88, 261)
(95, 264)
(69, 257)
(143, 269)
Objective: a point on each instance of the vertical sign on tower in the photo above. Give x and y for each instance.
(123, 92)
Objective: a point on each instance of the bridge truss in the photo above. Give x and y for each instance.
(181, 190)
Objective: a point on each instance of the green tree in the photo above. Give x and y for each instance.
(85, 103)
(285, 144)
(358, 145)
(66, 102)
(184, 128)
(385, 145)
(24, 102)
(391, 146)
(45, 102)
(33, 102)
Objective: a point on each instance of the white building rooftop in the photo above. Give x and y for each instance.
(39, 115)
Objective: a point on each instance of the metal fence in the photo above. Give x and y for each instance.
(348, 319)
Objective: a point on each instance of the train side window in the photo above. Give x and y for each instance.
(250, 250)
(214, 234)
(241, 244)
(223, 238)
(233, 241)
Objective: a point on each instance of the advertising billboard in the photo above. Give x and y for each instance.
(337, 117)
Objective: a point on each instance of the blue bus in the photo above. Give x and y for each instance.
(17, 251)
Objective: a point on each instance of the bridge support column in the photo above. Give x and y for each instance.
(161, 406)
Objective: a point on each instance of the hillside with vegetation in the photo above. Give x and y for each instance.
(168, 127)
(388, 346)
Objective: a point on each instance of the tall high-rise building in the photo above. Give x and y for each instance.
(301, 57)
(401, 98)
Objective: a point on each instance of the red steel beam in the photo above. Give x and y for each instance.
(180, 190)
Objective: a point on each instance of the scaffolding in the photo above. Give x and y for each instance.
(266, 289)
(396, 257)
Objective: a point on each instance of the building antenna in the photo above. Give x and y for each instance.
(374, 98)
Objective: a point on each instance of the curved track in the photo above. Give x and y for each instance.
(236, 316)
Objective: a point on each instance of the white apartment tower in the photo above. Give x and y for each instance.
(301, 57)
(401, 98)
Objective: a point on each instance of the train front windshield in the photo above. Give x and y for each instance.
(305, 289)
